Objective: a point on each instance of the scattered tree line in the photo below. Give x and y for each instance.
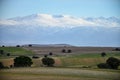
(66, 51)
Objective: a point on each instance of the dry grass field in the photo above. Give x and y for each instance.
(43, 73)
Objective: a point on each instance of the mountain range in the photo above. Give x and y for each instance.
(60, 29)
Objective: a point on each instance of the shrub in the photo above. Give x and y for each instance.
(1, 65)
(22, 61)
(103, 54)
(103, 65)
(45, 55)
(17, 45)
(48, 61)
(113, 62)
(63, 50)
(8, 54)
(35, 57)
(117, 49)
(3, 45)
(50, 53)
(30, 45)
(69, 51)
(1, 52)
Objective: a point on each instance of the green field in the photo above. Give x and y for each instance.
(81, 66)
(83, 60)
(16, 51)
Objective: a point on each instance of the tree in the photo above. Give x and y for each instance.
(103, 54)
(63, 50)
(1, 52)
(69, 51)
(113, 62)
(22, 61)
(50, 53)
(17, 45)
(35, 57)
(3, 45)
(117, 49)
(45, 55)
(48, 61)
(30, 45)
(8, 54)
(1, 65)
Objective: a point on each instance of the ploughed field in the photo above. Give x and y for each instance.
(80, 64)
(75, 50)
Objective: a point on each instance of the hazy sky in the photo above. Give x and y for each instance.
(79, 8)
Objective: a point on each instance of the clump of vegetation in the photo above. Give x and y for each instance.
(17, 45)
(69, 51)
(30, 45)
(66, 51)
(111, 63)
(103, 54)
(63, 51)
(50, 53)
(22, 61)
(48, 61)
(1, 65)
(1, 52)
(35, 57)
(117, 49)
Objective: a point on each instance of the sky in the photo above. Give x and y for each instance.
(78, 8)
(75, 22)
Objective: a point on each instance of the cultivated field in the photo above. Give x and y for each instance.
(75, 50)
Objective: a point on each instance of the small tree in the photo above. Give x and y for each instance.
(117, 49)
(30, 45)
(48, 61)
(17, 45)
(113, 62)
(63, 51)
(1, 65)
(69, 51)
(3, 45)
(50, 53)
(8, 54)
(103, 54)
(1, 52)
(45, 55)
(22, 61)
(35, 57)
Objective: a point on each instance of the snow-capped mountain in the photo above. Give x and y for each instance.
(50, 29)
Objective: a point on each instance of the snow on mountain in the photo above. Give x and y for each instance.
(57, 29)
(65, 21)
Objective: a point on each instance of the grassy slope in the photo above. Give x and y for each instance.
(86, 59)
(16, 51)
